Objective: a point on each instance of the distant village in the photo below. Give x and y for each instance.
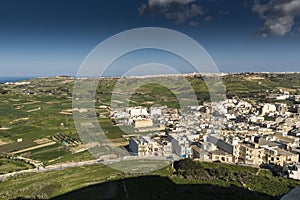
(247, 133)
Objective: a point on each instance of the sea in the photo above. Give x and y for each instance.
(4, 79)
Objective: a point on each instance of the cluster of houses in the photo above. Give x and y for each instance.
(248, 133)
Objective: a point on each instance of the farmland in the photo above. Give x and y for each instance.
(42, 109)
(37, 123)
(9, 165)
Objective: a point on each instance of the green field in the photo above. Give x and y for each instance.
(76, 157)
(9, 165)
(49, 155)
(45, 185)
(101, 182)
(112, 131)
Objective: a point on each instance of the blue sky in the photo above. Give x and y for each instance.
(52, 37)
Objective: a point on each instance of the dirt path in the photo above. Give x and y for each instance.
(35, 147)
(2, 142)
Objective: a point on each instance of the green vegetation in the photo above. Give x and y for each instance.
(225, 175)
(110, 130)
(155, 94)
(48, 184)
(254, 85)
(75, 157)
(9, 165)
(43, 122)
(155, 187)
(210, 180)
(15, 146)
(49, 155)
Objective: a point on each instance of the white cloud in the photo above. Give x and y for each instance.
(178, 10)
(279, 16)
(207, 19)
(167, 2)
(193, 23)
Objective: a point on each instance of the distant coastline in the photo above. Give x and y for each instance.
(4, 79)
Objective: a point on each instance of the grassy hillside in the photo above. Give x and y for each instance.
(211, 180)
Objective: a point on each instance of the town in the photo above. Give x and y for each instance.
(255, 134)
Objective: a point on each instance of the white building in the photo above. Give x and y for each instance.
(156, 111)
(294, 171)
(138, 111)
(146, 146)
(257, 119)
(230, 146)
(268, 108)
(181, 145)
